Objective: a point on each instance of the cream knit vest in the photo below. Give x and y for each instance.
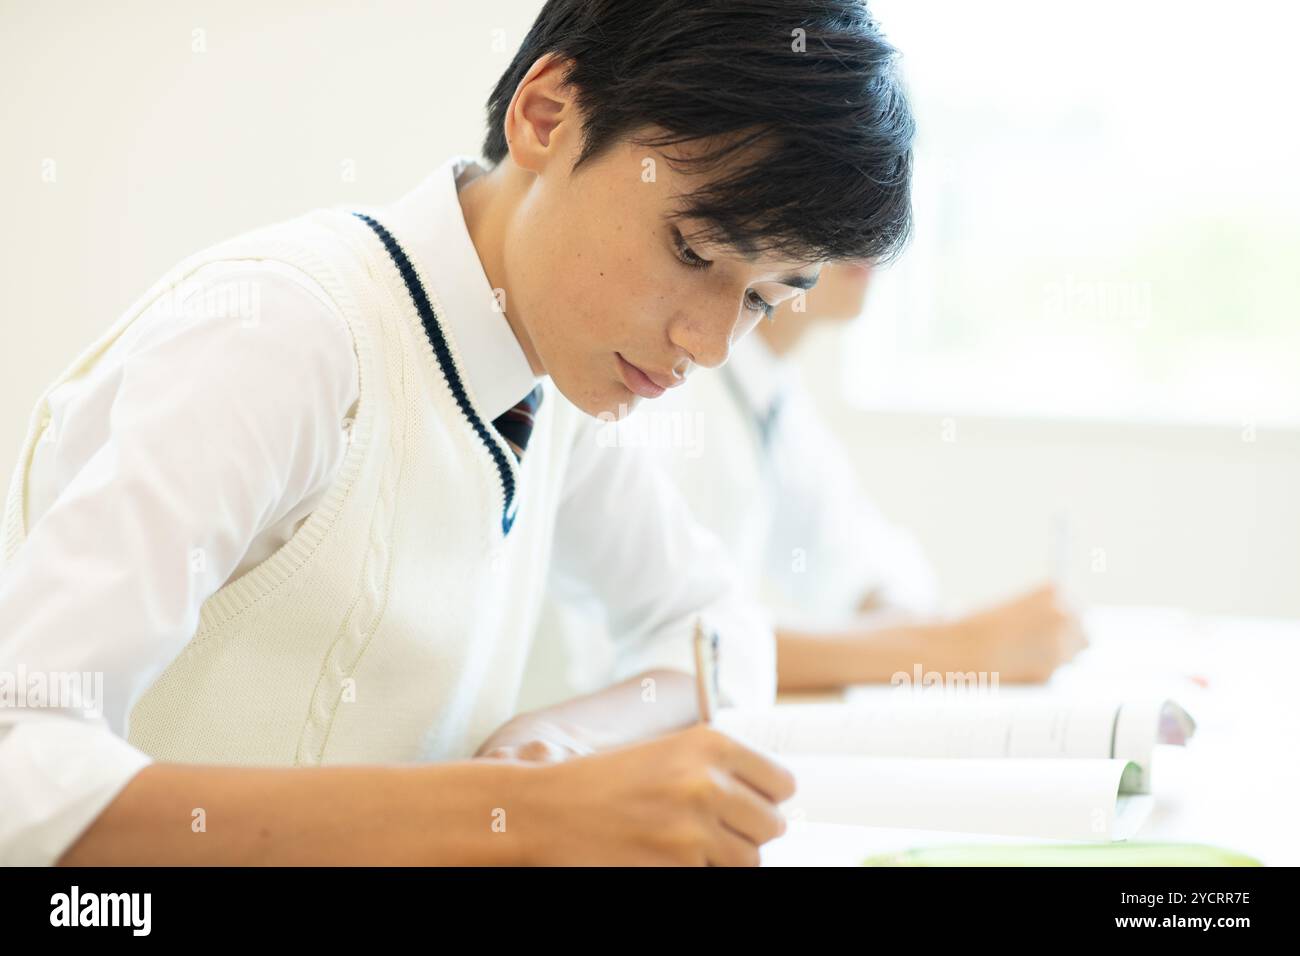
(394, 625)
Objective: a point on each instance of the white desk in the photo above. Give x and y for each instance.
(1235, 784)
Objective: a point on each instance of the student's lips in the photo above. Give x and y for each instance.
(643, 383)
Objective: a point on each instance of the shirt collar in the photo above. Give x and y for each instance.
(431, 227)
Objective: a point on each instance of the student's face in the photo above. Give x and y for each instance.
(613, 311)
(596, 274)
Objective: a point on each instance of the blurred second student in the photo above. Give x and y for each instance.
(852, 595)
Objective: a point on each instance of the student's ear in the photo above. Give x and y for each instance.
(542, 118)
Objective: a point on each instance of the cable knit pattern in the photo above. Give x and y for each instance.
(377, 632)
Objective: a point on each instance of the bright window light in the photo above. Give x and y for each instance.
(1107, 200)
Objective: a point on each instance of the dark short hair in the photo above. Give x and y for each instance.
(829, 174)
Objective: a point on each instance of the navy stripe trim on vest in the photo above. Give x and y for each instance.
(438, 341)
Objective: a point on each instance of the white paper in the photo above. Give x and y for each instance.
(971, 729)
(1075, 799)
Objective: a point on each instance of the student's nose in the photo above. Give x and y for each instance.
(706, 334)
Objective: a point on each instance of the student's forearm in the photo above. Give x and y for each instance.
(378, 815)
(863, 654)
(1023, 639)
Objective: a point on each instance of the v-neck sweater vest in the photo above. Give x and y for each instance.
(394, 625)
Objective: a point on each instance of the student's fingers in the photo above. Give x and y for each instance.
(542, 751)
(769, 778)
(749, 813)
(729, 848)
(531, 751)
(1045, 593)
(1076, 639)
(1035, 602)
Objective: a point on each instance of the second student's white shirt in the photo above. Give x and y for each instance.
(86, 584)
(763, 469)
(759, 466)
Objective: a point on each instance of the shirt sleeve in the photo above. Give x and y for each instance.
(625, 537)
(831, 547)
(203, 427)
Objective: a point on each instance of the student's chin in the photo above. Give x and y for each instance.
(609, 403)
(617, 406)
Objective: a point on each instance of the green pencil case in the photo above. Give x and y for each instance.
(1066, 854)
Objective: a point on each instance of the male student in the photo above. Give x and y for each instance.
(851, 593)
(295, 505)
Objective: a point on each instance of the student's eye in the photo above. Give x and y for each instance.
(686, 254)
(757, 303)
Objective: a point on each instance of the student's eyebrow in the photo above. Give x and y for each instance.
(798, 281)
(794, 279)
(749, 254)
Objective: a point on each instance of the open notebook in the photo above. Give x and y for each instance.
(1068, 770)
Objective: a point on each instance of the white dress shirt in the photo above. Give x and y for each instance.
(103, 583)
(760, 468)
(825, 547)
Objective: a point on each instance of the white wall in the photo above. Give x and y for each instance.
(1200, 517)
(160, 150)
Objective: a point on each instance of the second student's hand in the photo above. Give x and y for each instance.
(1023, 640)
(695, 797)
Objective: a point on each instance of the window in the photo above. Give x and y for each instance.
(1107, 214)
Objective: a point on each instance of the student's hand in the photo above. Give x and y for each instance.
(694, 797)
(535, 738)
(1023, 640)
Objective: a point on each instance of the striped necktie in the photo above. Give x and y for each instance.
(516, 423)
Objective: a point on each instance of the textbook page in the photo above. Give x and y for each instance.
(972, 729)
(1083, 799)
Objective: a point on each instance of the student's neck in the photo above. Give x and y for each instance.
(487, 201)
(783, 333)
